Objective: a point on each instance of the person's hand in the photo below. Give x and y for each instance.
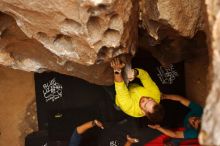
(98, 124)
(154, 126)
(132, 140)
(116, 64)
(132, 73)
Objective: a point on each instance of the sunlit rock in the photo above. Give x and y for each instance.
(77, 38)
(185, 17)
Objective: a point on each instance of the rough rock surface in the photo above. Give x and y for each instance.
(211, 122)
(78, 37)
(184, 17)
(172, 29)
(17, 104)
(19, 52)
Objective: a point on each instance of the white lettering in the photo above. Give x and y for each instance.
(52, 90)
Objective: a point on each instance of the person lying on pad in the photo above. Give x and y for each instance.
(76, 136)
(191, 123)
(136, 100)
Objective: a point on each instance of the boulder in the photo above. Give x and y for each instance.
(161, 17)
(210, 121)
(77, 38)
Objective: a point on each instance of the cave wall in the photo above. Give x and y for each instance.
(171, 28)
(196, 70)
(80, 38)
(210, 121)
(185, 17)
(17, 106)
(20, 52)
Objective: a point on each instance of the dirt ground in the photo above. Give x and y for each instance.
(16, 98)
(196, 71)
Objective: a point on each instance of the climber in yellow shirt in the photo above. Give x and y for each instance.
(136, 100)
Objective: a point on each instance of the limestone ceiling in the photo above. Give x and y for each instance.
(80, 37)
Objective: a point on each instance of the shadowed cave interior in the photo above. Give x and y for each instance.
(181, 68)
(77, 101)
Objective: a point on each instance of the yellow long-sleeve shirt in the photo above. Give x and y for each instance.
(128, 98)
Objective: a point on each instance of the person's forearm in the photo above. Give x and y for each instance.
(166, 131)
(84, 127)
(122, 97)
(178, 98)
(118, 77)
(170, 133)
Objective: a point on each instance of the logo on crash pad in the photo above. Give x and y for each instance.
(52, 90)
(114, 143)
(167, 74)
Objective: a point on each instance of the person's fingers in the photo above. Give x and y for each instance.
(130, 79)
(99, 124)
(151, 126)
(111, 63)
(130, 73)
(117, 61)
(128, 137)
(123, 65)
(136, 140)
(114, 60)
(133, 140)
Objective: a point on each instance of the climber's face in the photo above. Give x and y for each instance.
(147, 104)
